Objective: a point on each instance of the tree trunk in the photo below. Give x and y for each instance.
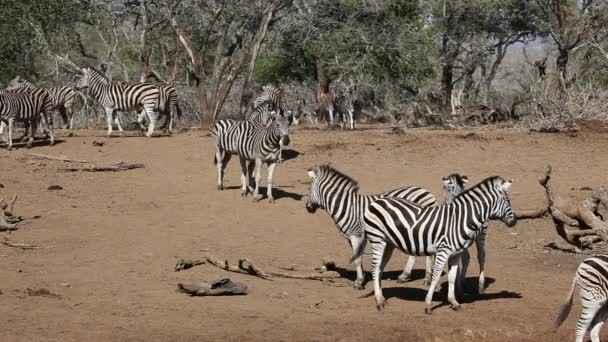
(322, 80)
(562, 66)
(447, 75)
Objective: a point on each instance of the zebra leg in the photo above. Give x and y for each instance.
(257, 170)
(406, 275)
(140, 120)
(10, 133)
(250, 171)
(32, 132)
(355, 242)
(598, 322)
(280, 157)
(271, 167)
(118, 119)
(351, 117)
(49, 125)
(481, 257)
(152, 118)
(244, 176)
(331, 117)
(2, 125)
(440, 259)
(379, 251)
(221, 159)
(452, 275)
(428, 273)
(465, 258)
(109, 114)
(591, 308)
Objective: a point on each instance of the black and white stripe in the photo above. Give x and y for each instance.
(443, 231)
(252, 143)
(338, 194)
(121, 97)
(345, 107)
(591, 281)
(28, 107)
(275, 98)
(63, 99)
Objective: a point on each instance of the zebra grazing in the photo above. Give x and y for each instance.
(339, 195)
(253, 144)
(121, 97)
(28, 107)
(591, 280)
(443, 231)
(453, 185)
(63, 99)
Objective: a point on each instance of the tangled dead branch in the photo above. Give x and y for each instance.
(91, 167)
(246, 266)
(587, 225)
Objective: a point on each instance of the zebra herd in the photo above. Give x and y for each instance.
(23, 101)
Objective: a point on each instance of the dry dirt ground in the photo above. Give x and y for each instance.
(109, 241)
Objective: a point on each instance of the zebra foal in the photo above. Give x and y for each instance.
(121, 97)
(338, 194)
(254, 145)
(443, 231)
(591, 281)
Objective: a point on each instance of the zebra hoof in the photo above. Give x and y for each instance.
(271, 200)
(358, 286)
(220, 187)
(71, 134)
(482, 290)
(456, 307)
(244, 194)
(403, 278)
(257, 198)
(428, 311)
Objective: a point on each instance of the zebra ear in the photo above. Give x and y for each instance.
(311, 173)
(506, 185)
(446, 180)
(464, 179)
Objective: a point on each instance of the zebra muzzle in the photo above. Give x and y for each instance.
(285, 139)
(311, 207)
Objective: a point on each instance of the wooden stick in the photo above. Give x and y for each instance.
(122, 166)
(531, 214)
(18, 245)
(63, 159)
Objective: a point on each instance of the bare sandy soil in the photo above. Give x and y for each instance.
(109, 241)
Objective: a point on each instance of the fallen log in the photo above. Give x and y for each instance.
(121, 166)
(6, 242)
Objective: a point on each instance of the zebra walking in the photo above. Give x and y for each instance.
(591, 281)
(338, 194)
(443, 231)
(28, 107)
(121, 97)
(253, 144)
(63, 99)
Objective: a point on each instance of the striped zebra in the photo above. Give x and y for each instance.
(345, 106)
(168, 107)
(28, 107)
(339, 195)
(63, 99)
(453, 185)
(443, 231)
(274, 96)
(254, 144)
(591, 280)
(326, 107)
(121, 97)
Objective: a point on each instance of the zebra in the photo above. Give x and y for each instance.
(274, 96)
(63, 99)
(591, 280)
(443, 231)
(121, 97)
(339, 195)
(453, 185)
(168, 107)
(254, 144)
(345, 106)
(326, 106)
(28, 107)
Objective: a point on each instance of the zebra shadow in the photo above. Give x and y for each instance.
(36, 143)
(419, 295)
(290, 154)
(277, 192)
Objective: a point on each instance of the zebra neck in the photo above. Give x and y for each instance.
(335, 202)
(274, 135)
(470, 213)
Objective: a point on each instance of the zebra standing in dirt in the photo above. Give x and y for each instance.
(28, 107)
(253, 144)
(443, 231)
(339, 195)
(168, 107)
(591, 281)
(121, 97)
(345, 106)
(63, 99)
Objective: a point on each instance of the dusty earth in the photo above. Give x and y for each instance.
(109, 241)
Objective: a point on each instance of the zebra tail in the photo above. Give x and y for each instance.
(565, 311)
(359, 249)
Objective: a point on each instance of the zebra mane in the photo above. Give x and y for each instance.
(97, 72)
(326, 170)
(490, 182)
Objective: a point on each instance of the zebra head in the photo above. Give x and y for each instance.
(16, 84)
(84, 81)
(502, 205)
(326, 183)
(281, 125)
(315, 200)
(454, 185)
